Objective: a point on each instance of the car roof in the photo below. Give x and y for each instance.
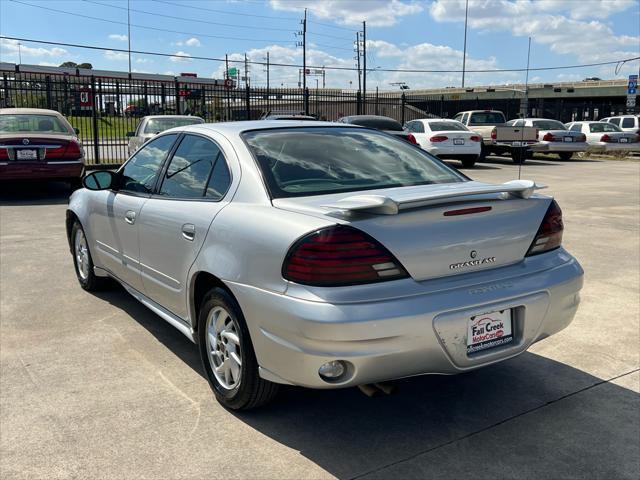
(153, 117)
(370, 117)
(29, 111)
(235, 128)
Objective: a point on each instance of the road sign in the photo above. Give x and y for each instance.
(232, 72)
(228, 84)
(631, 101)
(632, 85)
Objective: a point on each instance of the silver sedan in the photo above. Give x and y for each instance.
(323, 255)
(152, 125)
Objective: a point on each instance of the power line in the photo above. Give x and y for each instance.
(328, 25)
(330, 36)
(146, 27)
(225, 12)
(173, 17)
(326, 67)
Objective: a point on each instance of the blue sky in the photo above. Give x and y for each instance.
(402, 34)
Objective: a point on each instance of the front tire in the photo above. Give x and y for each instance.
(227, 354)
(82, 260)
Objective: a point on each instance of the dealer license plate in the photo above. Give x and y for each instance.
(489, 330)
(26, 154)
(568, 139)
(624, 140)
(516, 144)
(458, 141)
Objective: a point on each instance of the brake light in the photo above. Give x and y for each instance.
(438, 138)
(494, 134)
(4, 153)
(549, 236)
(412, 139)
(70, 151)
(475, 138)
(340, 255)
(605, 138)
(548, 137)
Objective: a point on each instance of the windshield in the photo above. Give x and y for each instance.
(443, 126)
(379, 123)
(603, 127)
(157, 125)
(486, 118)
(32, 123)
(315, 161)
(548, 125)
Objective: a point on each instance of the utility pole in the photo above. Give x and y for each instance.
(304, 51)
(358, 59)
(267, 59)
(464, 53)
(246, 71)
(19, 53)
(364, 58)
(129, 32)
(227, 95)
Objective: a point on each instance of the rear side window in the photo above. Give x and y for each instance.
(315, 161)
(379, 123)
(415, 127)
(603, 127)
(576, 127)
(140, 172)
(486, 118)
(191, 170)
(628, 122)
(548, 125)
(615, 121)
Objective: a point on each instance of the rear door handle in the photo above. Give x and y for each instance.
(130, 217)
(189, 231)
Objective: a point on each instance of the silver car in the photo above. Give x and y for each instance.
(553, 137)
(323, 255)
(151, 125)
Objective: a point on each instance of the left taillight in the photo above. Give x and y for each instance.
(340, 255)
(412, 139)
(549, 235)
(475, 138)
(4, 153)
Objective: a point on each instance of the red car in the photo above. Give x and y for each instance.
(39, 144)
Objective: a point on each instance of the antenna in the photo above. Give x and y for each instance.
(526, 109)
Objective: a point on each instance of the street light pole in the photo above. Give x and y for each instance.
(464, 53)
(129, 32)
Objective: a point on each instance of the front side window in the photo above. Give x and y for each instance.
(323, 160)
(140, 172)
(32, 123)
(615, 120)
(197, 168)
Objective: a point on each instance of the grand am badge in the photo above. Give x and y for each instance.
(472, 263)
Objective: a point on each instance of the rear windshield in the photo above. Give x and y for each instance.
(548, 125)
(380, 123)
(32, 123)
(486, 118)
(307, 161)
(157, 125)
(628, 122)
(603, 127)
(442, 126)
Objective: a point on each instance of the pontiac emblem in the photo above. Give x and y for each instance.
(473, 254)
(25, 141)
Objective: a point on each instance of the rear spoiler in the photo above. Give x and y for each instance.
(391, 205)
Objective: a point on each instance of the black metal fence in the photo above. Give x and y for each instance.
(104, 109)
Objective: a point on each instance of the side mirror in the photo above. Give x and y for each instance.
(100, 180)
(131, 134)
(77, 130)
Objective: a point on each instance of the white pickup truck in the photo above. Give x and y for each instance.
(498, 138)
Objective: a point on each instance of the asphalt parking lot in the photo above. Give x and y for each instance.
(97, 386)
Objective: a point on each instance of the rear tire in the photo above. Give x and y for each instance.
(484, 151)
(519, 155)
(469, 162)
(227, 354)
(83, 262)
(75, 184)
(565, 156)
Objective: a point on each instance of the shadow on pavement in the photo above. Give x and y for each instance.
(520, 418)
(34, 193)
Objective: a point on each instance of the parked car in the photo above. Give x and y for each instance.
(447, 139)
(284, 116)
(378, 122)
(606, 137)
(323, 255)
(39, 144)
(150, 126)
(553, 137)
(627, 123)
(498, 138)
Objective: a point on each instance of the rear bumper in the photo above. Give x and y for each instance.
(41, 170)
(411, 335)
(552, 147)
(455, 152)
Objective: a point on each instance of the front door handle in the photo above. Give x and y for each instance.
(130, 217)
(189, 231)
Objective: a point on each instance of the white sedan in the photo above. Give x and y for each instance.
(606, 137)
(446, 139)
(553, 137)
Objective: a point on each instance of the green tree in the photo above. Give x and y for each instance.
(77, 65)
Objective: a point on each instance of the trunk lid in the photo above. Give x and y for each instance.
(433, 232)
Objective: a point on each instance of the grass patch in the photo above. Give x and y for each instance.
(109, 128)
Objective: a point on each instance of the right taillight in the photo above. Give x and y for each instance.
(4, 153)
(549, 234)
(340, 255)
(494, 134)
(548, 137)
(412, 139)
(605, 138)
(475, 138)
(438, 138)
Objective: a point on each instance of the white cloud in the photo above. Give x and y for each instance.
(144, 60)
(116, 56)
(565, 26)
(377, 13)
(180, 57)
(10, 48)
(192, 42)
(118, 37)
(48, 64)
